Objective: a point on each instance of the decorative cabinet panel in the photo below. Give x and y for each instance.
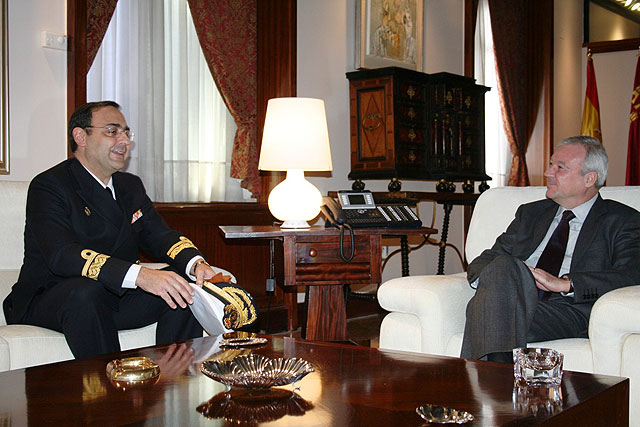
(406, 124)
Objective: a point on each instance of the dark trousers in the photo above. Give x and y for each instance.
(90, 316)
(505, 312)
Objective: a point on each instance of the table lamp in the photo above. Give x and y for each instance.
(295, 139)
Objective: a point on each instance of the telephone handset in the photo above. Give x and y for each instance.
(332, 212)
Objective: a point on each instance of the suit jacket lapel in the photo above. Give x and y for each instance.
(588, 230)
(539, 228)
(89, 190)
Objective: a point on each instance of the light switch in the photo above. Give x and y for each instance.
(53, 40)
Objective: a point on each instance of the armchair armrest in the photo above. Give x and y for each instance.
(614, 316)
(439, 303)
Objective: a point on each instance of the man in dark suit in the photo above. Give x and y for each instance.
(85, 225)
(592, 244)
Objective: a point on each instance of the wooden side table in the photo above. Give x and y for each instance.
(311, 259)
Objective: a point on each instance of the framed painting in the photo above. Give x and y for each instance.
(389, 34)
(4, 93)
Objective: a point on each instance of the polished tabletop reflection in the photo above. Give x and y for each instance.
(350, 385)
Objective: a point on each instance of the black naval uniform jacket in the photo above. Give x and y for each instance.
(75, 228)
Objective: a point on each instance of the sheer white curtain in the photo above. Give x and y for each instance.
(151, 63)
(497, 151)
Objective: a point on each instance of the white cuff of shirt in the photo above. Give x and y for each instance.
(130, 278)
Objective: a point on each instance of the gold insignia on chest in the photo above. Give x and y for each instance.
(94, 263)
(178, 247)
(87, 211)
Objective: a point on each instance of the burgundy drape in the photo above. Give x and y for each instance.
(228, 36)
(518, 35)
(633, 151)
(99, 13)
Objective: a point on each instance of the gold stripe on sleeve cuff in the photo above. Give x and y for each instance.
(178, 247)
(94, 263)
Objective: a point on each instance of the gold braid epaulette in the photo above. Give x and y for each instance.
(184, 243)
(94, 263)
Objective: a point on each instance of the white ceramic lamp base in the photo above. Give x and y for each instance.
(295, 201)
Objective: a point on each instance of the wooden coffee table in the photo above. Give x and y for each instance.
(351, 385)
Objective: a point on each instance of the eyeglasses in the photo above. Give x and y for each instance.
(115, 131)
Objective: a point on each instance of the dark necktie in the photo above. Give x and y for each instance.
(111, 207)
(553, 254)
(109, 192)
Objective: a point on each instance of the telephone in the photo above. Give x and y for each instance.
(360, 211)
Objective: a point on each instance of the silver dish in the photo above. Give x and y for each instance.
(242, 342)
(442, 415)
(256, 371)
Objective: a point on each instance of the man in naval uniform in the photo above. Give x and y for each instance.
(85, 225)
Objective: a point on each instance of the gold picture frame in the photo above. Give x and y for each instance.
(4, 91)
(389, 33)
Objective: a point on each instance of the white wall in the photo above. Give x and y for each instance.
(326, 39)
(37, 89)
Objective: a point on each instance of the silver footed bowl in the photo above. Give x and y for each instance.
(442, 415)
(256, 371)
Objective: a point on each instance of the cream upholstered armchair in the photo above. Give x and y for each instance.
(427, 313)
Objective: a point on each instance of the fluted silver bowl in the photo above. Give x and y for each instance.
(256, 371)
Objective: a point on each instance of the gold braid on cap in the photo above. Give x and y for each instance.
(239, 311)
(94, 263)
(184, 243)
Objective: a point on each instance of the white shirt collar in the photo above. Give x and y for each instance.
(581, 211)
(109, 184)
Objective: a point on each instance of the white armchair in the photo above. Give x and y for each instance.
(427, 313)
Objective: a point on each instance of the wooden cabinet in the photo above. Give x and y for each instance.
(407, 124)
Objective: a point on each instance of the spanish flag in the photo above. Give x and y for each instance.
(591, 112)
(633, 151)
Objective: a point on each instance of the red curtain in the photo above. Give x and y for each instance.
(517, 39)
(227, 32)
(633, 150)
(99, 13)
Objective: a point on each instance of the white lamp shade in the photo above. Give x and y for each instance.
(295, 136)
